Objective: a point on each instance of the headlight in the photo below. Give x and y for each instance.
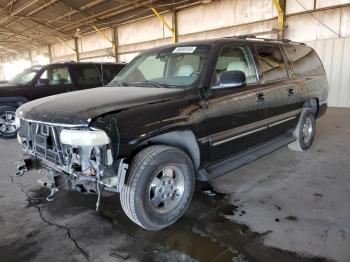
(84, 137)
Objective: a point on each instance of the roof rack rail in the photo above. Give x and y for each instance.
(66, 61)
(285, 40)
(245, 36)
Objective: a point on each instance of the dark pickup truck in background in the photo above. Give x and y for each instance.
(177, 113)
(41, 81)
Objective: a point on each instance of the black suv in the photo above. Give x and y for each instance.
(175, 114)
(41, 81)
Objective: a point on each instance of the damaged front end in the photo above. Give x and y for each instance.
(83, 157)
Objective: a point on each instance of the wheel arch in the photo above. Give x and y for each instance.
(182, 139)
(314, 104)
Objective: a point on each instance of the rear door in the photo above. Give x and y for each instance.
(55, 79)
(88, 76)
(279, 90)
(236, 118)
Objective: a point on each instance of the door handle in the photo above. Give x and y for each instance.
(260, 97)
(290, 91)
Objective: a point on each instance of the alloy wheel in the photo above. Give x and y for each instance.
(8, 123)
(307, 129)
(167, 188)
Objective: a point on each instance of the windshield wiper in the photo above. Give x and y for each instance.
(118, 83)
(150, 83)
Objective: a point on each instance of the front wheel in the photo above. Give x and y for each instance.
(8, 127)
(305, 132)
(159, 187)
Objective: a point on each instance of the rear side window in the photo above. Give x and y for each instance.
(305, 60)
(88, 75)
(272, 63)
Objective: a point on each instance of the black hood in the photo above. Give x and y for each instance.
(79, 108)
(8, 86)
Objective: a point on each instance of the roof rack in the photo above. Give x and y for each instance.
(254, 37)
(65, 61)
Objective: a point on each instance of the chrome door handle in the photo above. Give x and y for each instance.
(290, 91)
(260, 97)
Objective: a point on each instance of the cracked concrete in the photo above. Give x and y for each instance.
(283, 207)
(67, 229)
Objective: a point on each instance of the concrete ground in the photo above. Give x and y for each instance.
(286, 206)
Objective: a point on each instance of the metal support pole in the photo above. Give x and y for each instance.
(165, 23)
(50, 53)
(76, 49)
(280, 6)
(175, 35)
(2, 67)
(115, 43)
(30, 57)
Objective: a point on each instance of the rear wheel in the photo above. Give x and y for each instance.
(159, 187)
(305, 132)
(8, 127)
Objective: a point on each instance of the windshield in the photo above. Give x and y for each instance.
(173, 67)
(24, 77)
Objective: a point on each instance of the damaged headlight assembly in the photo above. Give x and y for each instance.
(96, 158)
(85, 155)
(93, 140)
(84, 137)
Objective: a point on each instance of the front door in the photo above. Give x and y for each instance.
(55, 79)
(236, 117)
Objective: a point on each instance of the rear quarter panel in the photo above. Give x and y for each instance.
(309, 75)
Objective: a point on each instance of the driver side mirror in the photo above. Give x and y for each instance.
(231, 79)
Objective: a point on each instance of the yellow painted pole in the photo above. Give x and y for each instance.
(102, 34)
(280, 18)
(161, 18)
(63, 42)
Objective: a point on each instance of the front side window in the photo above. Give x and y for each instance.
(235, 58)
(172, 67)
(272, 63)
(88, 75)
(55, 76)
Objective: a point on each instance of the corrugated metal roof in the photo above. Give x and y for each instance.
(28, 24)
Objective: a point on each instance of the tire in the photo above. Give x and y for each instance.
(304, 132)
(7, 126)
(148, 184)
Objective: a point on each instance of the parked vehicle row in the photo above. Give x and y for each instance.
(41, 81)
(176, 114)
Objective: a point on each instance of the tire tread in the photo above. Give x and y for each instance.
(139, 163)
